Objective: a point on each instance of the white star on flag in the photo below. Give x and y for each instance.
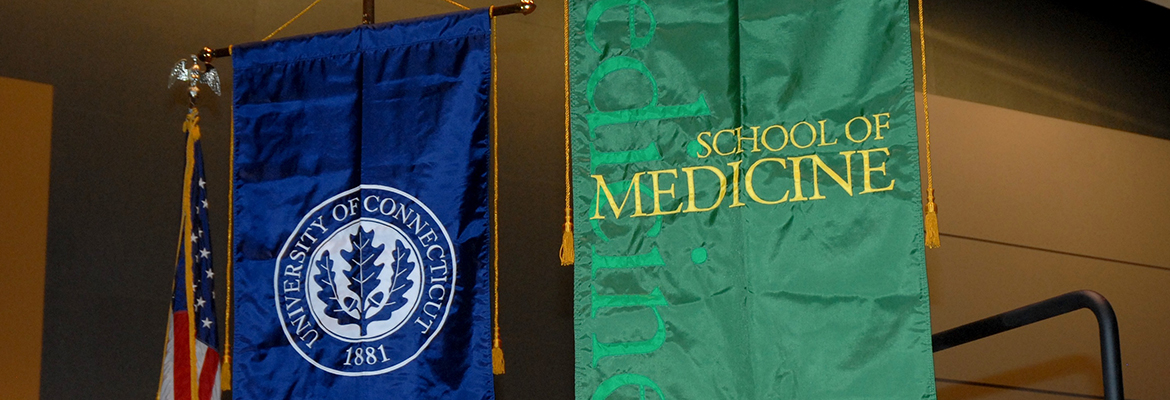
(194, 239)
(205, 254)
(199, 303)
(206, 323)
(210, 274)
(204, 203)
(201, 183)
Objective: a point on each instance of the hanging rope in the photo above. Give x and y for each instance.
(497, 350)
(458, 5)
(191, 126)
(226, 370)
(930, 220)
(567, 251)
(286, 24)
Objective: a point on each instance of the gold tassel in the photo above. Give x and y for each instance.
(931, 222)
(225, 375)
(497, 359)
(567, 251)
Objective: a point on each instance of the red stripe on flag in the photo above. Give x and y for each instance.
(207, 374)
(182, 368)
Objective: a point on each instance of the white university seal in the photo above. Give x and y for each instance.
(365, 281)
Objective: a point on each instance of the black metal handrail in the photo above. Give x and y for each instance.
(1063, 304)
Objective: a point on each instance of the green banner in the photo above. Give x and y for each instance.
(747, 210)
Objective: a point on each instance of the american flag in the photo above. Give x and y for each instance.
(191, 361)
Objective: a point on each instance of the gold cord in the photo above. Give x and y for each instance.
(286, 24)
(497, 350)
(930, 219)
(191, 126)
(567, 251)
(226, 369)
(457, 4)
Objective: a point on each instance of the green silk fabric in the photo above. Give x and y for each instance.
(746, 197)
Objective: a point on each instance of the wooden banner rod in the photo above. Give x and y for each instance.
(524, 7)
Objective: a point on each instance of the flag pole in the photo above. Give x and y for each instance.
(524, 7)
(367, 12)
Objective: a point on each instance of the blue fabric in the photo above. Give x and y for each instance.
(360, 234)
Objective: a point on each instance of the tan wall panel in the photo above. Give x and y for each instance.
(1021, 178)
(26, 113)
(1033, 181)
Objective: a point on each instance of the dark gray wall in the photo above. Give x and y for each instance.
(117, 149)
(1101, 63)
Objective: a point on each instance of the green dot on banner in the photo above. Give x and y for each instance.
(693, 149)
(699, 255)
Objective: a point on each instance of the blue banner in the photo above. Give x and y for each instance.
(360, 234)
